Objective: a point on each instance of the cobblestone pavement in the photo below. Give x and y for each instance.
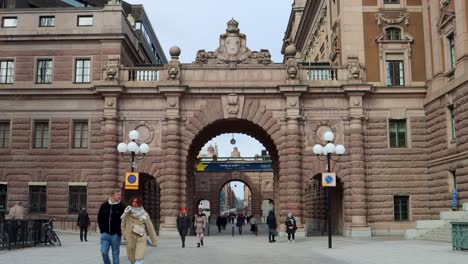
(250, 249)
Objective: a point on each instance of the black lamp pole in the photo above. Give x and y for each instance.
(329, 204)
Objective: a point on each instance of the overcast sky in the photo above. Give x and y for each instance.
(197, 24)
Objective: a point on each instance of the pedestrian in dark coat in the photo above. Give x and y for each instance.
(183, 224)
(271, 222)
(219, 223)
(83, 223)
(240, 222)
(291, 227)
(109, 224)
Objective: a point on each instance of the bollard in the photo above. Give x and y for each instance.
(208, 230)
(233, 231)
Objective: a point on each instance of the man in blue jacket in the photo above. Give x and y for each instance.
(109, 225)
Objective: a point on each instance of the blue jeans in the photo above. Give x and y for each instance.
(108, 241)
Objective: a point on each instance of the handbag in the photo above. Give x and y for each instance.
(139, 230)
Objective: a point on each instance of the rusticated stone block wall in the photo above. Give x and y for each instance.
(57, 165)
(395, 171)
(445, 157)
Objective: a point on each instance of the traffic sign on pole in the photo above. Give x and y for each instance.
(328, 179)
(131, 181)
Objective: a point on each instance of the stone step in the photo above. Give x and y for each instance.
(465, 207)
(454, 215)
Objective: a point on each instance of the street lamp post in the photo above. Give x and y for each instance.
(133, 149)
(327, 151)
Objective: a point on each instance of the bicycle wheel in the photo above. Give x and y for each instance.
(54, 239)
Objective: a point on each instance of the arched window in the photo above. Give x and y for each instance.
(392, 34)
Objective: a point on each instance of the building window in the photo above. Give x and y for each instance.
(397, 131)
(44, 71)
(4, 134)
(392, 2)
(85, 21)
(37, 198)
(7, 71)
(451, 44)
(80, 134)
(41, 134)
(451, 112)
(393, 34)
(82, 70)
(401, 208)
(395, 73)
(3, 199)
(47, 21)
(9, 22)
(77, 199)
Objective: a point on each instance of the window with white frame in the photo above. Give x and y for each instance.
(47, 21)
(397, 133)
(82, 70)
(7, 71)
(9, 22)
(41, 134)
(395, 72)
(392, 34)
(80, 134)
(84, 21)
(44, 71)
(391, 2)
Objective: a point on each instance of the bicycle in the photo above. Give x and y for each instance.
(49, 234)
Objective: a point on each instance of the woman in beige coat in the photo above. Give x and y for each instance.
(136, 223)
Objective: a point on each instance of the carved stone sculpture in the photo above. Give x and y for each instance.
(112, 69)
(233, 105)
(354, 68)
(232, 50)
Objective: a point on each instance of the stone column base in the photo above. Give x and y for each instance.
(358, 231)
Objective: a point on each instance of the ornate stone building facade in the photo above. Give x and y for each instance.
(410, 54)
(392, 93)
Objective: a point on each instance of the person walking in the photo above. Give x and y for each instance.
(183, 224)
(200, 223)
(240, 222)
(109, 225)
(136, 224)
(291, 227)
(271, 222)
(83, 223)
(219, 223)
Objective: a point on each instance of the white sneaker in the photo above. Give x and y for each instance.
(289, 241)
(293, 241)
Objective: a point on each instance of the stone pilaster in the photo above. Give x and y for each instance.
(290, 179)
(172, 192)
(359, 226)
(110, 174)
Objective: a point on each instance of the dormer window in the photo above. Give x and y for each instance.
(392, 34)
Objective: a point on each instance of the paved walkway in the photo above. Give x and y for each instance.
(250, 249)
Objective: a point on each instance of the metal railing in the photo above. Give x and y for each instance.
(21, 233)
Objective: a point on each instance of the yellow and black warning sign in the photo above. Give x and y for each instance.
(131, 181)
